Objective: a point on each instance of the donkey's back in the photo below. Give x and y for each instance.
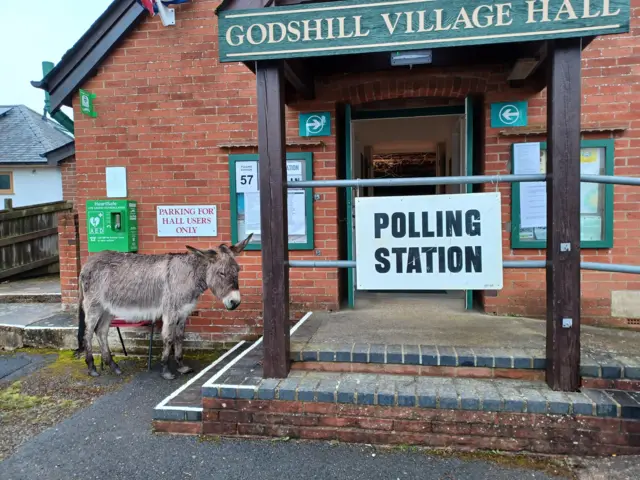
(137, 286)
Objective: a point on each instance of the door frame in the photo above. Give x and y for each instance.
(354, 114)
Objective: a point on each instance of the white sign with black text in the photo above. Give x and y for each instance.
(187, 220)
(429, 242)
(246, 177)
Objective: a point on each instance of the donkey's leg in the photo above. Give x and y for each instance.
(102, 332)
(169, 322)
(177, 346)
(94, 312)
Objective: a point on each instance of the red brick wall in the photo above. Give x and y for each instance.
(69, 248)
(68, 243)
(165, 105)
(69, 179)
(470, 430)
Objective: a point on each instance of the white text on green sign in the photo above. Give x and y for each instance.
(359, 26)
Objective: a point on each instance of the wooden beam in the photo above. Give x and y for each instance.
(273, 217)
(299, 75)
(563, 215)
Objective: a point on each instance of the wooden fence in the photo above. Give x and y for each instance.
(29, 239)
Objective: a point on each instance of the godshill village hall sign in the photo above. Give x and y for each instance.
(359, 26)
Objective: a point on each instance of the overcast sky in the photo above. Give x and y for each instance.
(32, 31)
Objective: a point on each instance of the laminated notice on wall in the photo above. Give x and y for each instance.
(294, 171)
(533, 195)
(296, 212)
(252, 212)
(589, 192)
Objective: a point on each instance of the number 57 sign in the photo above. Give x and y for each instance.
(246, 177)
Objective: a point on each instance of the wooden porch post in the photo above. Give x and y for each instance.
(273, 215)
(563, 215)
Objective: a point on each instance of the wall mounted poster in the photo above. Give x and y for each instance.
(590, 164)
(533, 195)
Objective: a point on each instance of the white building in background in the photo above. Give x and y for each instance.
(27, 177)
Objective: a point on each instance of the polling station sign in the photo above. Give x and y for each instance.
(430, 242)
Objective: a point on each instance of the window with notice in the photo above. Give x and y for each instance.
(529, 199)
(245, 200)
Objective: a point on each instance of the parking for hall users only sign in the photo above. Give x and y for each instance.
(431, 242)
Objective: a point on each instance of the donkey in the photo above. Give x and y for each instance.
(138, 287)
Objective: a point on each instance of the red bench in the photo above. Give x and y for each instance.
(118, 323)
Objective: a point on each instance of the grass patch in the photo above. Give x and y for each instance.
(556, 466)
(12, 398)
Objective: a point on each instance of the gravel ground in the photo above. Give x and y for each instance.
(40, 399)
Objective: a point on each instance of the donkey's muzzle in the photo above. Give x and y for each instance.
(231, 305)
(232, 300)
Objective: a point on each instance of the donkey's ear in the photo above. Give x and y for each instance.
(195, 251)
(240, 246)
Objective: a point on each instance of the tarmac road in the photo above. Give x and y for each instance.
(112, 440)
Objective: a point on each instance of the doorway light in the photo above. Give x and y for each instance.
(414, 57)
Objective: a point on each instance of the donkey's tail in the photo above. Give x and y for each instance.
(81, 321)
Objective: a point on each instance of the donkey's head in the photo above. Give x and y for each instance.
(222, 271)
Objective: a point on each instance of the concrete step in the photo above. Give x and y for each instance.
(45, 289)
(444, 393)
(53, 298)
(510, 415)
(185, 403)
(452, 361)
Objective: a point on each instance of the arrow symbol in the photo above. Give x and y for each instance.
(315, 124)
(509, 114)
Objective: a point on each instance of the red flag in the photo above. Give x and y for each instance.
(148, 4)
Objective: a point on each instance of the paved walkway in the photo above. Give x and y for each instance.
(25, 314)
(418, 319)
(49, 284)
(14, 366)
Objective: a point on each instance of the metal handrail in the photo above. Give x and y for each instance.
(459, 180)
(602, 267)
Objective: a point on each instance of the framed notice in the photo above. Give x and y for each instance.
(244, 171)
(529, 199)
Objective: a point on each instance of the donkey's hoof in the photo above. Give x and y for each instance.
(94, 373)
(184, 369)
(115, 368)
(168, 375)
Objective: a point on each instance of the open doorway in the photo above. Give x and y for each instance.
(419, 144)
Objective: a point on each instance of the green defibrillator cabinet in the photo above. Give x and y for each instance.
(112, 225)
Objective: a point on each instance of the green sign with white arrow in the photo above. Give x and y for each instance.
(315, 124)
(509, 114)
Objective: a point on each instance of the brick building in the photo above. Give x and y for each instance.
(176, 118)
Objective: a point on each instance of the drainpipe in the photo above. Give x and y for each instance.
(59, 116)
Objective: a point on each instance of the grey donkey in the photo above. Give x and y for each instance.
(137, 287)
